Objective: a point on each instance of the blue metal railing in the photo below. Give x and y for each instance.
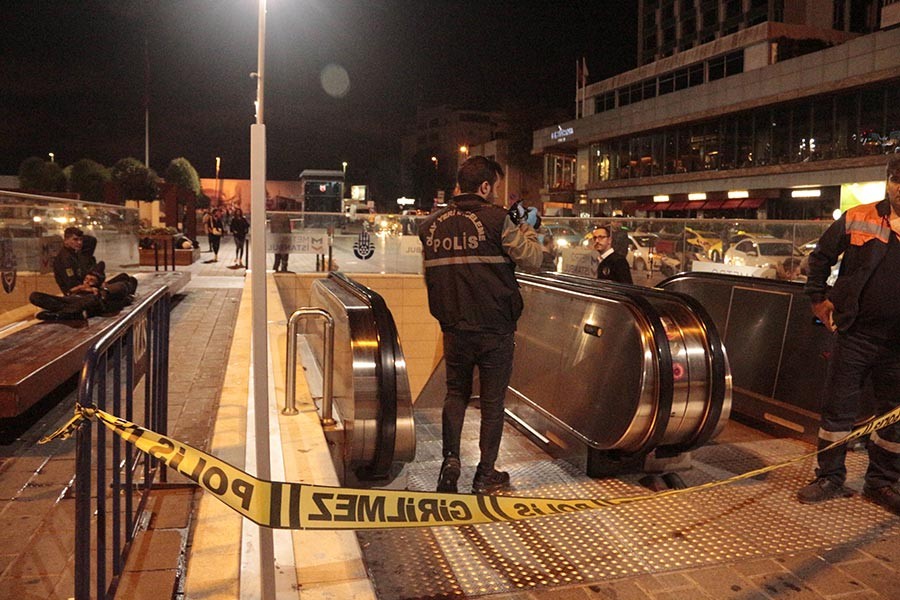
(136, 348)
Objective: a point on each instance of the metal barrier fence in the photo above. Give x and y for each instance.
(136, 348)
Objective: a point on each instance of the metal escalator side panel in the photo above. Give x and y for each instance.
(701, 401)
(563, 371)
(355, 383)
(393, 437)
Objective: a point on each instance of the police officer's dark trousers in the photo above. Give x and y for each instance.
(492, 353)
(855, 356)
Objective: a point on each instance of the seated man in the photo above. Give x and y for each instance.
(90, 298)
(68, 266)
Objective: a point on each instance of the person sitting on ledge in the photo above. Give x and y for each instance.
(90, 298)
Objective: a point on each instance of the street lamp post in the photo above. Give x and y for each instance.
(258, 346)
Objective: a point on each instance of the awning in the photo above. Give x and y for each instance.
(696, 204)
(713, 204)
(753, 202)
(648, 206)
(732, 204)
(678, 206)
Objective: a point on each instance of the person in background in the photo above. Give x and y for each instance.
(92, 297)
(86, 258)
(239, 229)
(613, 266)
(68, 269)
(471, 250)
(548, 260)
(280, 223)
(205, 221)
(216, 229)
(863, 311)
(790, 270)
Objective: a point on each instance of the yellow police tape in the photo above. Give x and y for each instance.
(285, 505)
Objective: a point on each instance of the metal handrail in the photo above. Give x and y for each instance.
(290, 407)
(139, 341)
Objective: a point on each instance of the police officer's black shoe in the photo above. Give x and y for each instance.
(449, 475)
(822, 489)
(490, 482)
(885, 496)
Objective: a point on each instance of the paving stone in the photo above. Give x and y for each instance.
(669, 581)
(785, 585)
(147, 585)
(885, 549)
(30, 588)
(725, 582)
(617, 590)
(874, 575)
(45, 556)
(843, 554)
(762, 566)
(171, 508)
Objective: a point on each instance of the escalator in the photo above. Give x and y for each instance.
(611, 374)
(373, 435)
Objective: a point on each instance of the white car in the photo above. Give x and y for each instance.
(761, 251)
(640, 250)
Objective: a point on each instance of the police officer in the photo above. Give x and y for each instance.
(471, 248)
(863, 310)
(68, 267)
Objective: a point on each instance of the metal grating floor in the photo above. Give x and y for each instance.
(749, 519)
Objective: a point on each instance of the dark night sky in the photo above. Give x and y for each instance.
(72, 74)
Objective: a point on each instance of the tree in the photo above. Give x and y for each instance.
(87, 178)
(40, 175)
(182, 173)
(135, 181)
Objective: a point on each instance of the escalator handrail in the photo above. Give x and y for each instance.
(387, 352)
(666, 390)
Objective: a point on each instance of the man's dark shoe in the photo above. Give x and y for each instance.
(822, 489)
(885, 496)
(449, 475)
(490, 482)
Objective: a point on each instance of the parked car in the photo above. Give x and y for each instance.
(563, 236)
(710, 241)
(641, 250)
(761, 251)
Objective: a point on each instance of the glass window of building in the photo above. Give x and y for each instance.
(695, 75)
(734, 63)
(681, 79)
(822, 131)
(716, 68)
(560, 172)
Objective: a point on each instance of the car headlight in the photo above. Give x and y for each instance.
(562, 243)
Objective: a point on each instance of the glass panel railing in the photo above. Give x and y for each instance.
(655, 248)
(31, 233)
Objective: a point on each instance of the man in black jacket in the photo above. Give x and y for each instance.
(613, 266)
(863, 310)
(471, 250)
(68, 267)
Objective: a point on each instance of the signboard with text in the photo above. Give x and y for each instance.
(310, 241)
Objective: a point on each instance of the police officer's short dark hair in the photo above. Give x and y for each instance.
(71, 232)
(475, 171)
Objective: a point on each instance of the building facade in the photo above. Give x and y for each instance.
(743, 108)
(433, 149)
